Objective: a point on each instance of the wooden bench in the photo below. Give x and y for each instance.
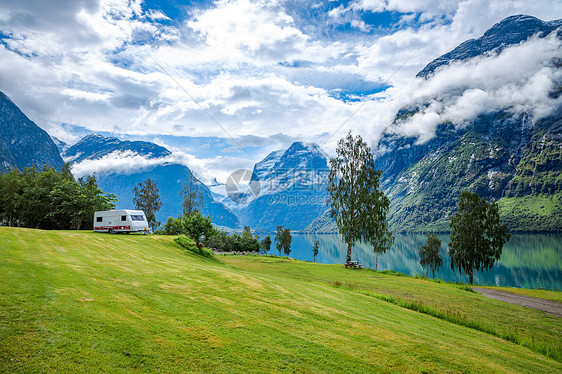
(353, 264)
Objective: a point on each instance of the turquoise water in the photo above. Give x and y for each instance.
(528, 260)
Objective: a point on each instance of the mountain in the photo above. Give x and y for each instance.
(502, 156)
(120, 165)
(511, 30)
(61, 146)
(485, 158)
(95, 146)
(22, 142)
(291, 188)
(533, 198)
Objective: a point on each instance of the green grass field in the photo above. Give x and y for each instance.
(83, 302)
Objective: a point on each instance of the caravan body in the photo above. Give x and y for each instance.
(114, 221)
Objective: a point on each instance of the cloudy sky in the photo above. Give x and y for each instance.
(223, 83)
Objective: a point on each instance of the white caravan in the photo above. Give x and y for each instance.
(114, 221)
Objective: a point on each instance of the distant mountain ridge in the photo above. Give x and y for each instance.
(22, 142)
(168, 174)
(511, 30)
(95, 146)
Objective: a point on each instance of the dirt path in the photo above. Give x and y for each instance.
(552, 307)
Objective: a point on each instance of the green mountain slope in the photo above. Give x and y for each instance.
(533, 199)
(501, 157)
(540, 168)
(85, 302)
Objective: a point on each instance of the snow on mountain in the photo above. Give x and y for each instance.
(61, 146)
(218, 190)
(301, 166)
(511, 30)
(292, 188)
(95, 146)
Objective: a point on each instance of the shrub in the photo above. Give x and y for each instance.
(173, 226)
(191, 246)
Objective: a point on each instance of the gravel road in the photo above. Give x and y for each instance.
(552, 307)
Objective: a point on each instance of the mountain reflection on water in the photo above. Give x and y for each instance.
(528, 260)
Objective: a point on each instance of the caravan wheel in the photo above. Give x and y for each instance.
(110, 231)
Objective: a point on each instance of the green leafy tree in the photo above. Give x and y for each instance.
(11, 188)
(222, 241)
(279, 239)
(147, 199)
(286, 240)
(91, 199)
(429, 254)
(36, 202)
(315, 248)
(66, 172)
(356, 202)
(235, 242)
(266, 244)
(172, 226)
(68, 204)
(50, 199)
(477, 236)
(376, 231)
(192, 196)
(198, 227)
(247, 241)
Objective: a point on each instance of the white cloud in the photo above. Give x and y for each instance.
(128, 162)
(75, 94)
(157, 15)
(518, 80)
(241, 29)
(253, 67)
(120, 162)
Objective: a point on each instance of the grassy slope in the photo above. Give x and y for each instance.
(534, 329)
(76, 301)
(532, 212)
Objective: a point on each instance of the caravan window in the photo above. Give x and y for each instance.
(99, 219)
(137, 218)
(123, 218)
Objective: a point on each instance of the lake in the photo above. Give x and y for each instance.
(528, 260)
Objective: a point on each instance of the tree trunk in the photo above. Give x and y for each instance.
(427, 273)
(349, 243)
(350, 240)
(470, 275)
(376, 261)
